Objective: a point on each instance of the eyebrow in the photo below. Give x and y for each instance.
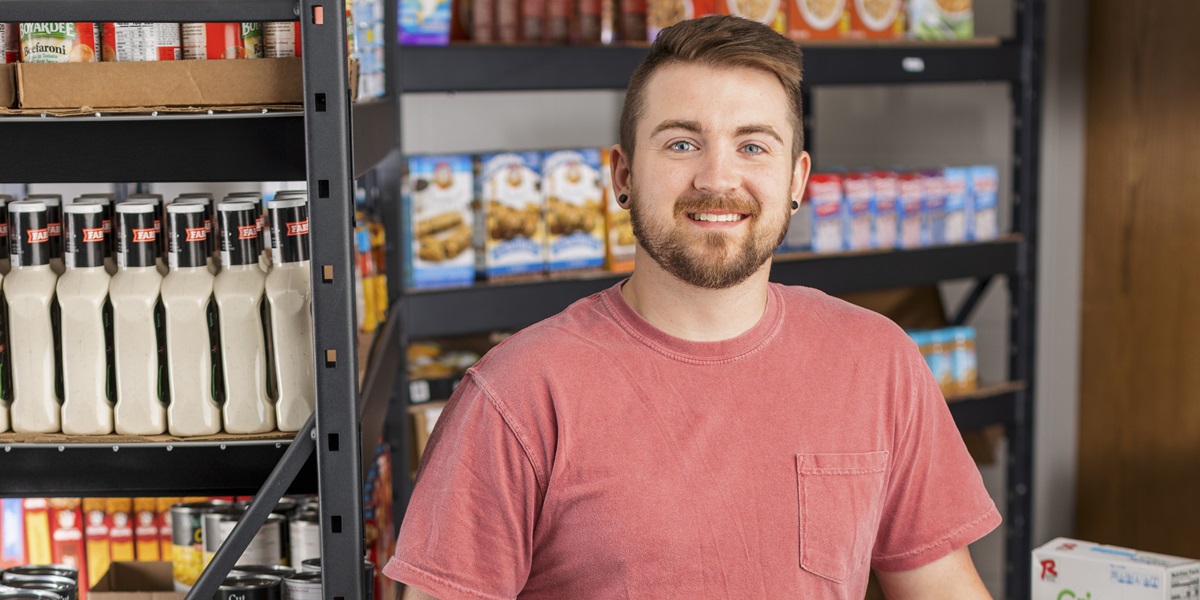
(695, 127)
(760, 129)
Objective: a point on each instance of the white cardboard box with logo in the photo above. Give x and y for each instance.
(1066, 569)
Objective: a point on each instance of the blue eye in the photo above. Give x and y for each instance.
(753, 149)
(682, 146)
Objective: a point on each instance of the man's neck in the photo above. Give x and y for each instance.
(692, 313)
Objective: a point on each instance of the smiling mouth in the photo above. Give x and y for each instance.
(717, 217)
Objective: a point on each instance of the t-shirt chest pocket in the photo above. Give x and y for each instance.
(841, 496)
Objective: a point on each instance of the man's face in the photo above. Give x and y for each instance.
(713, 176)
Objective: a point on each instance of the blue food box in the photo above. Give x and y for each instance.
(984, 210)
(935, 206)
(887, 191)
(958, 199)
(824, 195)
(425, 22)
(514, 232)
(859, 190)
(574, 200)
(910, 212)
(440, 235)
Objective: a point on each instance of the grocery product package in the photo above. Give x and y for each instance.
(425, 22)
(817, 19)
(885, 218)
(1072, 569)
(621, 245)
(983, 212)
(941, 19)
(935, 206)
(772, 13)
(572, 192)
(958, 199)
(876, 19)
(910, 212)
(859, 189)
(438, 198)
(661, 14)
(824, 195)
(512, 230)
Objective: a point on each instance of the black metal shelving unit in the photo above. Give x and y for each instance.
(328, 143)
(1015, 61)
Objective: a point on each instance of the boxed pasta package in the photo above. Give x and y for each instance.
(876, 19)
(621, 245)
(661, 14)
(817, 19)
(984, 213)
(958, 199)
(438, 197)
(824, 195)
(941, 19)
(859, 189)
(935, 206)
(513, 234)
(910, 212)
(772, 13)
(574, 198)
(887, 190)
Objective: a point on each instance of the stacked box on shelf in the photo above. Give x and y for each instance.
(984, 210)
(885, 217)
(513, 232)
(958, 201)
(934, 210)
(438, 198)
(858, 231)
(824, 196)
(620, 245)
(913, 231)
(572, 192)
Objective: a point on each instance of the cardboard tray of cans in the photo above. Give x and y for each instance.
(190, 86)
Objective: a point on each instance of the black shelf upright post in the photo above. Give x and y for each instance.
(1027, 102)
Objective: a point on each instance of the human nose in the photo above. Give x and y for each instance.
(718, 173)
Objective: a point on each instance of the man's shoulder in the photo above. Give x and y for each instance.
(817, 312)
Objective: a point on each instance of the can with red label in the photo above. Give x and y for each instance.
(281, 39)
(212, 41)
(10, 43)
(138, 42)
(58, 42)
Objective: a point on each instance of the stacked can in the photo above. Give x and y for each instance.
(41, 581)
(250, 587)
(220, 41)
(187, 540)
(281, 39)
(141, 42)
(58, 42)
(10, 43)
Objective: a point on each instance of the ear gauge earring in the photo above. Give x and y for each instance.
(795, 205)
(623, 199)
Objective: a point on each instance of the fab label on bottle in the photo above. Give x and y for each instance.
(139, 335)
(289, 297)
(29, 295)
(82, 295)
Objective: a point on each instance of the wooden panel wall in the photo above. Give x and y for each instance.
(1139, 438)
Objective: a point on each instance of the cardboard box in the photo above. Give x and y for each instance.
(8, 85)
(1065, 568)
(859, 189)
(824, 194)
(661, 14)
(876, 19)
(136, 581)
(772, 13)
(941, 19)
(621, 245)
(910, 212)
(425, 22)
(438, 199)
(147, 85)
(512, 228)
(573, 196)
(983, 212)
(958, 198)
(935, 207)
(817, 19)
(886, 225)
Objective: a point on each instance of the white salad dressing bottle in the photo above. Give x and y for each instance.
(53, 204)
(190, 314)
(239, 295)
(264, 236)
(29, 300)
(138, 335)
(5, 264)
(289, 301)
(160, 226)
(214, 246)
(106, 199)
(82, 301)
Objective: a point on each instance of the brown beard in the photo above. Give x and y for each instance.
(707, 261)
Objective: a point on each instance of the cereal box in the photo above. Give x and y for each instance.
(425, 22)
(817, 19)
(514, 235)
(887, 189)
(621, 245)
(66, 534)
(661, 14)
(97, 535)
(768, 12)
(145, 531)
(935, 207)
(37, 531)
(941, 19)
(957, 200)
(438, 197)
(12, 533)
(1071, 569)
(824, 194)
(119, 514)
(876, 19)
(910, 209)
(573, 196)
(983, 212)
(859, 190)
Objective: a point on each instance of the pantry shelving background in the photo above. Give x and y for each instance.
(327, 143)
(1014, 61)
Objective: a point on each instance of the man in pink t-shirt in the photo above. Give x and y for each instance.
(696, 431)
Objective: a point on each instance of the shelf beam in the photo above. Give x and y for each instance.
(159, 11)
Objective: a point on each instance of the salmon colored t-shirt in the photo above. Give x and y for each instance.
(594, 456)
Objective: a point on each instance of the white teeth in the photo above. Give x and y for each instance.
(726, 218)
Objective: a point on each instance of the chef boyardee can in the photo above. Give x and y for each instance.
(239, 233)
(252, 40)
(137, 237)
(187, 539)
(85, 235)
(250, 587)
(266, 548)
(29, 234)
(289, 229)
(302, 586)
(189, 239)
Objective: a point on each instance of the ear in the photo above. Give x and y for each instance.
(800, 173)
(619, 166)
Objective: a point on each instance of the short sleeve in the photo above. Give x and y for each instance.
(936, 501)
(468, 532)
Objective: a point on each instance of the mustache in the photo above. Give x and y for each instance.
(694, 202)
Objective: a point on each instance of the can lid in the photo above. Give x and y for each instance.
(235, 205)
(185, 207)
(5, 199)
(257, 195)
(137, 207)
(87, 208)
(48, 199)
(29, 595)
(250, 582)
(103, 198)
(27, 206)
(288, 202)
(306, 576)
(154, 197)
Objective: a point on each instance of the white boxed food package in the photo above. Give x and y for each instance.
(1066, 569)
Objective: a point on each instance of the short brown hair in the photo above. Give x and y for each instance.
(718, 41)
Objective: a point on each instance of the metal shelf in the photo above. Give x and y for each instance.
(163, 11)
(182, 147)
(991, 405)
(482, 308)
(149, 469)
(479, 68)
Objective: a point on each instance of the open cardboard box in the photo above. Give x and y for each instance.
(136, 581)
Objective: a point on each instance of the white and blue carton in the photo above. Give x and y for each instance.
(859, 211)
(824, 195)
(574, 201)
(958, 204)
(1067, 569)
(887, 191)
(910, 212)
(438, 197)
(425, 22)
(935, 207)
(984, 215)
(513, 233)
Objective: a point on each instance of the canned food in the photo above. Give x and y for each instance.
(39, 570)
(279, 571)
(313, 565)
(14, 594)
(302, 586)
(281, 39)
(250, 587)
(60, 586)
(304, 535)
(265, 549)
(140, 42)
(252, 39)
(187, 540)
(10, 43)
(212, 41)
(58, 42)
